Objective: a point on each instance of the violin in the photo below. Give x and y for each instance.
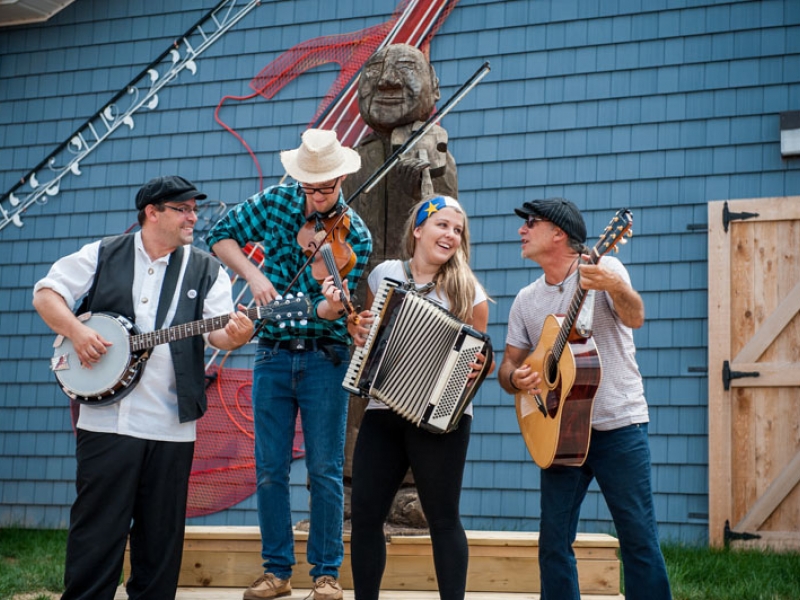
(331, 229)
(325, 237)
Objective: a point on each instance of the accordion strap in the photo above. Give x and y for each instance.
(412, 285)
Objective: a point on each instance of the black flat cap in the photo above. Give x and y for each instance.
(169, 188)
(560, 211)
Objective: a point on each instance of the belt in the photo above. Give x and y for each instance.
(301, 344)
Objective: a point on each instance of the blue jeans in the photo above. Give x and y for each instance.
(620, 460)
(284, 382)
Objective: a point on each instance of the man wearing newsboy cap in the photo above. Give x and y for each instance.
(134, 451)
(553, 234)
(299, 365)
(170, 187)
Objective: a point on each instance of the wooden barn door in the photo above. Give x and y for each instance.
(754, 372)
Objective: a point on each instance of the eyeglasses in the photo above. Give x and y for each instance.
(531, 221)
(327, 189)
(184, 210)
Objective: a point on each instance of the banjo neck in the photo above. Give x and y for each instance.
(280, 310)
(113, 377)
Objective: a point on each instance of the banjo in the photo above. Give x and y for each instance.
(118, 372)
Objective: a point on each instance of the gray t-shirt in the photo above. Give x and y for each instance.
(620, 397)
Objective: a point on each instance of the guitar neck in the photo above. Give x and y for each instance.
(143, 341)
(574, 309)
(614, 233)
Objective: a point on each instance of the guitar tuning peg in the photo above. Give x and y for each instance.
(281, 325)
(623, 240)
(300, 294)
(303, 321)
(278, 297)
(289, 296)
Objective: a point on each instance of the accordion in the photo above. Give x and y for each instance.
(417, 358)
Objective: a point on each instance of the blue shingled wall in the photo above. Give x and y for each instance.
(660, 106)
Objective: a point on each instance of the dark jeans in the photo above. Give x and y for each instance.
(387, 445)
(620, 461)
(127, 485)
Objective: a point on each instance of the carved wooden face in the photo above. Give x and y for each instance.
(397, 86)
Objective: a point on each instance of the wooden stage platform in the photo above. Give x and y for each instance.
(236, 594)
(220, 562)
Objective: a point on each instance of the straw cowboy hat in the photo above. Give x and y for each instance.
(320, 158)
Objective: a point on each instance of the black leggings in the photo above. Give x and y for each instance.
(387, 445)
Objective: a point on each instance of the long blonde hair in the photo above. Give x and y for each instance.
(455, 279)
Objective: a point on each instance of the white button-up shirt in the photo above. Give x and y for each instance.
(150, 411)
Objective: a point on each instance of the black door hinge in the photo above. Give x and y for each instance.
(731, 535)
(728, 216)
(727, 374)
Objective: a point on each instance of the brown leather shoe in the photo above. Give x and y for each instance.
(268, 586)
(327, 588)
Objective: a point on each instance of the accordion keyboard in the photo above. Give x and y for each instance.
(417, 358)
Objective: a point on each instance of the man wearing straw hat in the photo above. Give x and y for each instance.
(301, 365)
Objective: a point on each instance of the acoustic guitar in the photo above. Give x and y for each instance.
(557, 423)
(119, 370)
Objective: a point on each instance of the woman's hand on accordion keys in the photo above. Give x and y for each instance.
(358, 326)
(480, 359)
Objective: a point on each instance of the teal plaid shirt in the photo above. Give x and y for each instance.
(273, 218)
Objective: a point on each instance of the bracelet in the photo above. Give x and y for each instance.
(511, 381)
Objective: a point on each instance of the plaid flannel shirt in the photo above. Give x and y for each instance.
(273, 218)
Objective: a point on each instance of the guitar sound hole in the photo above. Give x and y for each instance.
(551, 370)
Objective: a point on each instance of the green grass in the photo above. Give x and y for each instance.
(32, 561)
(718, 574)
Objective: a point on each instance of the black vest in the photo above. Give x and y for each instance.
(111, 292)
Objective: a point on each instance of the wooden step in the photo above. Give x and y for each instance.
(303, 594)
(499, 561)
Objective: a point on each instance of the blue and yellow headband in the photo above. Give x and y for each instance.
(435, 205)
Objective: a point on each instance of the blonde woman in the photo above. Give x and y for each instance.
(437, 246)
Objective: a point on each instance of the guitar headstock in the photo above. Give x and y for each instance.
(616, 232)
(282, 310)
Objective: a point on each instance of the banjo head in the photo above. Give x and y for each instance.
(98, 385)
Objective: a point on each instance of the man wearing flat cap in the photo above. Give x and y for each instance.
(301, 365)
(553, 235)
(134, 454)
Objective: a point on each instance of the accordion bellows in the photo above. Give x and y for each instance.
(416, 359)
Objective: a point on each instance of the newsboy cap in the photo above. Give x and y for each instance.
(560, 211)
(172, 188)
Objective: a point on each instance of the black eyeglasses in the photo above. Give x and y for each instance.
(184, 210)
(327, 189)
(531, 221)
